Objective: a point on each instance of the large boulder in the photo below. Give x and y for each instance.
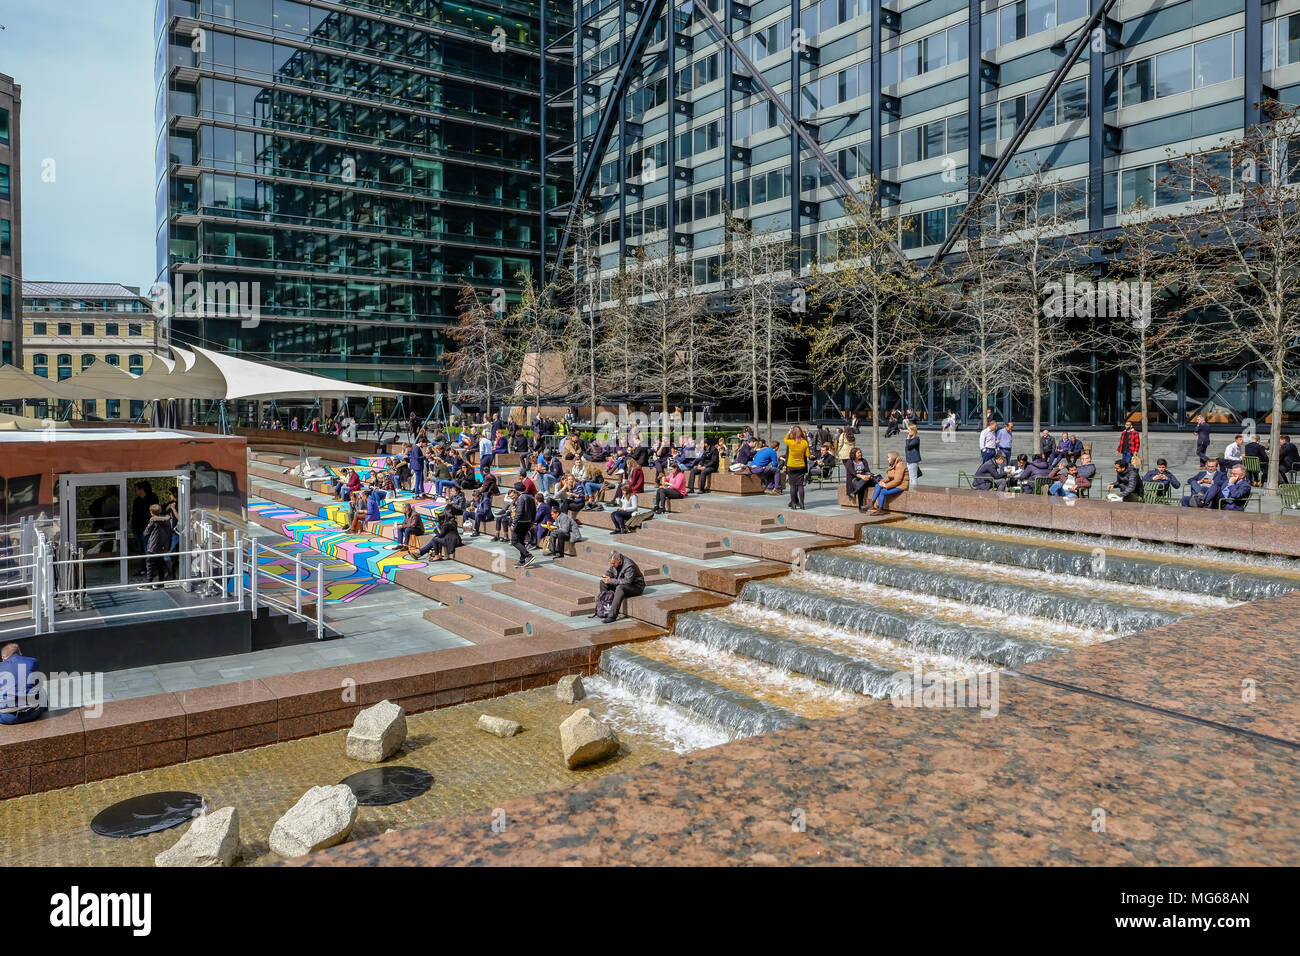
(378, 732)
(211, 840)
(322, 818)
(498, 725)
(585, 739)
(570, 689)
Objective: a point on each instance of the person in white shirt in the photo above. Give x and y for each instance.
(989, 442)
(625, 510)
(1234, 450)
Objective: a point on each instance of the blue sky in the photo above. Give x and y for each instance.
(86, 69)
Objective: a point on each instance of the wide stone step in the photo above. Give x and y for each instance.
(685, 543)
(473, 624)
(562, 602)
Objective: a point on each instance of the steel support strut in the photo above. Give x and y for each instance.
(990, 182)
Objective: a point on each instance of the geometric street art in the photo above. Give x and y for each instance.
(378, 558)
(342, 581)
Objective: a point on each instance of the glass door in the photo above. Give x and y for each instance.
(94, 521)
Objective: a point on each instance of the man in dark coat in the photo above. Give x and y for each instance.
(991, 474)
(525, 511)
(1127, 484)
(625, 579)
(1206, 486)
(157, 544)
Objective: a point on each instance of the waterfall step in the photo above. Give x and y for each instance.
(685, 543)
(958, 640)
(1150, 572)
(473, 624)
(737, 713)
(820, 663)
(1064, 607)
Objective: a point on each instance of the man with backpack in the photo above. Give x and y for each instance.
(623, 580)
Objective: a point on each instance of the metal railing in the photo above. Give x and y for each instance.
(311, 585)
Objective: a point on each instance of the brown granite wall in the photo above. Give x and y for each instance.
(1241, 531)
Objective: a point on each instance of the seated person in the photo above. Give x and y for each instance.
(827, 461)
(704, 467)
(1237, 490)
(743, 453)
(1038, 468)
(445, 539)
(858, 479)
(479, 513)
(1206, 486)
(565, 529)
(991, 474)
(1162, 478)
(349, 483)
(544, 521)
(625, 580)
(1067, 482)
(412, 525)
(1127, 486)
(1258, 450)
(22, 698)
(764, 465)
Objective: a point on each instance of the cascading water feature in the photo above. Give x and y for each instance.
(857, 623)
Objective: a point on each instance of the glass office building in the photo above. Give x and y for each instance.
(360, 160)
(11, 222)
(955, 80)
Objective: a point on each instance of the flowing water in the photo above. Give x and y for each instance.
(918, 601)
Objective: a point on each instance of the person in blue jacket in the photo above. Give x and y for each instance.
(1206, 486)
(21, 699)
(415, 459)
(1162, 477)
(764, 464)
(373, 502)
(1237, 490)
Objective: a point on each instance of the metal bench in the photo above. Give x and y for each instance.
(1290, 498)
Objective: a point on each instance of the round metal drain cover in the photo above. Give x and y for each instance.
(147, 813)
(381, 786)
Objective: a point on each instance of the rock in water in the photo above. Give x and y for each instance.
(211, 840)
(498, 725)
(570, 689)
(322, 818)
(586, 740)
(377, 732)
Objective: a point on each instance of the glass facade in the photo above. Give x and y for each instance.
(1173, 81)
(360, 165)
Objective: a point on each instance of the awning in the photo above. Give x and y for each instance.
(196, 373)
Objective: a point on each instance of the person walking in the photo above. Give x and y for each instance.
(525, 510)
(1129, 443)
(796, 465)
(1202, 430)
(912, 454)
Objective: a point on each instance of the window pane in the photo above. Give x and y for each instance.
(1171, 184)
(1072, 102)
(1137, 184)
(1239, 53)
(1288, 40)
(1110, 89)
(1269, 30)
(910, 61)
(1012, 114)
(958, 43)
(935, 53)
(1040, 15)
(934, 226)
(957, 132)
(1213, 61)
(1174, 72)
(934, 139)
(1067, 10)
(1012, 21)
(910, 148)
(1137, 82)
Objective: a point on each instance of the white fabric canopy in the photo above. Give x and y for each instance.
(197, 373)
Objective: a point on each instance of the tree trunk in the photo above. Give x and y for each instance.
(1275, 425)
(1142, 397)
(875, 389)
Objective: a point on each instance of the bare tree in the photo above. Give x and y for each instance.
(1137, 323)
(534, 329)
(476, 364)
(1241, 250)
(662, 283)
(581, 279)
(1033, 240)
(757, 340)
(871, 325)
(622, 333)
(981, 325)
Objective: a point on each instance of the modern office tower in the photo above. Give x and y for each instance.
(68, 326)
(360, 161)
(11, 221)
(1155, 79)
